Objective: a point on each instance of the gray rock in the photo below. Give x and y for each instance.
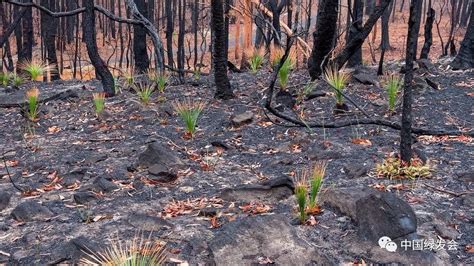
(83, 197)
(244, 241)
(379, 256)
(366, 78)
(31, 211)
(104, 185)
(4, 200)
(161, 173)
(356, 170)
(269, 191)
(148, 223)
(444, 231)
(344, 200)
(160, 154)
(383, 214)
(284, 100)
(73, 177)
(467, 177)
(468, 200)
(242, 119)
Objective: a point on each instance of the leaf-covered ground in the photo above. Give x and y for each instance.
(69, 151)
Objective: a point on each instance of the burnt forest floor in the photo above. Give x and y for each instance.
(70, 151)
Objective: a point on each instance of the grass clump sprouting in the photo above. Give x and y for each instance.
(16, 80)
(140, 251)
(317, 176)
(393, 83)
(129, 79)
(160, 80)
(256, 60)
(99, 102)
(337, 79)
(34, 69)
(32, 98)
(4, 79)
(301, 192)
(189, 111)
(284, 72)
(144, 91)
(393, 168)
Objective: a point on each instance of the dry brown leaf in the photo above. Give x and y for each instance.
(469, 249)
(361, 141)
(54, 129)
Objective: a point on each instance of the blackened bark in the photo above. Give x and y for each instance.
(385, 27)
(369, 6)
(140, 53)
(412, 41)
(26, 51)
(356, 26)
(180, 57)
(323, 37)
(169, 32)
(13, 26)
(430, 17)
(49, 26)
(223, 88)
(359, 39)
(70, 22)
(195, 30)
(465, 13)
(91, 44)
(465, 58)
(276, 9)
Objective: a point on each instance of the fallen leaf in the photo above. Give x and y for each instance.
(215, 222)
(54, 129)
(311, 221)
(361, 141)
(469, 249)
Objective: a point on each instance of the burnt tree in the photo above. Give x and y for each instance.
(430, 17)
(140, 54)
(219, 53)
(169, 31)
(356, 26)
(276, 7)
(465, 58)
(355, 43)
(25, 49)
(49, 29)
(91, 44)
(411, 48)
(323, 37)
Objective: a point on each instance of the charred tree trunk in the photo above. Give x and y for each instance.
(385, 28)
(276, 9)
(140, 53)
(169, 32)
(195, 31)
(412, 41)
(428, 33)
(26, 51)
(323, 37)
(223, 88)
(180, 55)
(50, 26)
(385, 44)
(91, 44)
(465, 57)
(356, 26)
(360, 37)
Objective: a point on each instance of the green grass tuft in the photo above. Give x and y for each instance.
(189, 111)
